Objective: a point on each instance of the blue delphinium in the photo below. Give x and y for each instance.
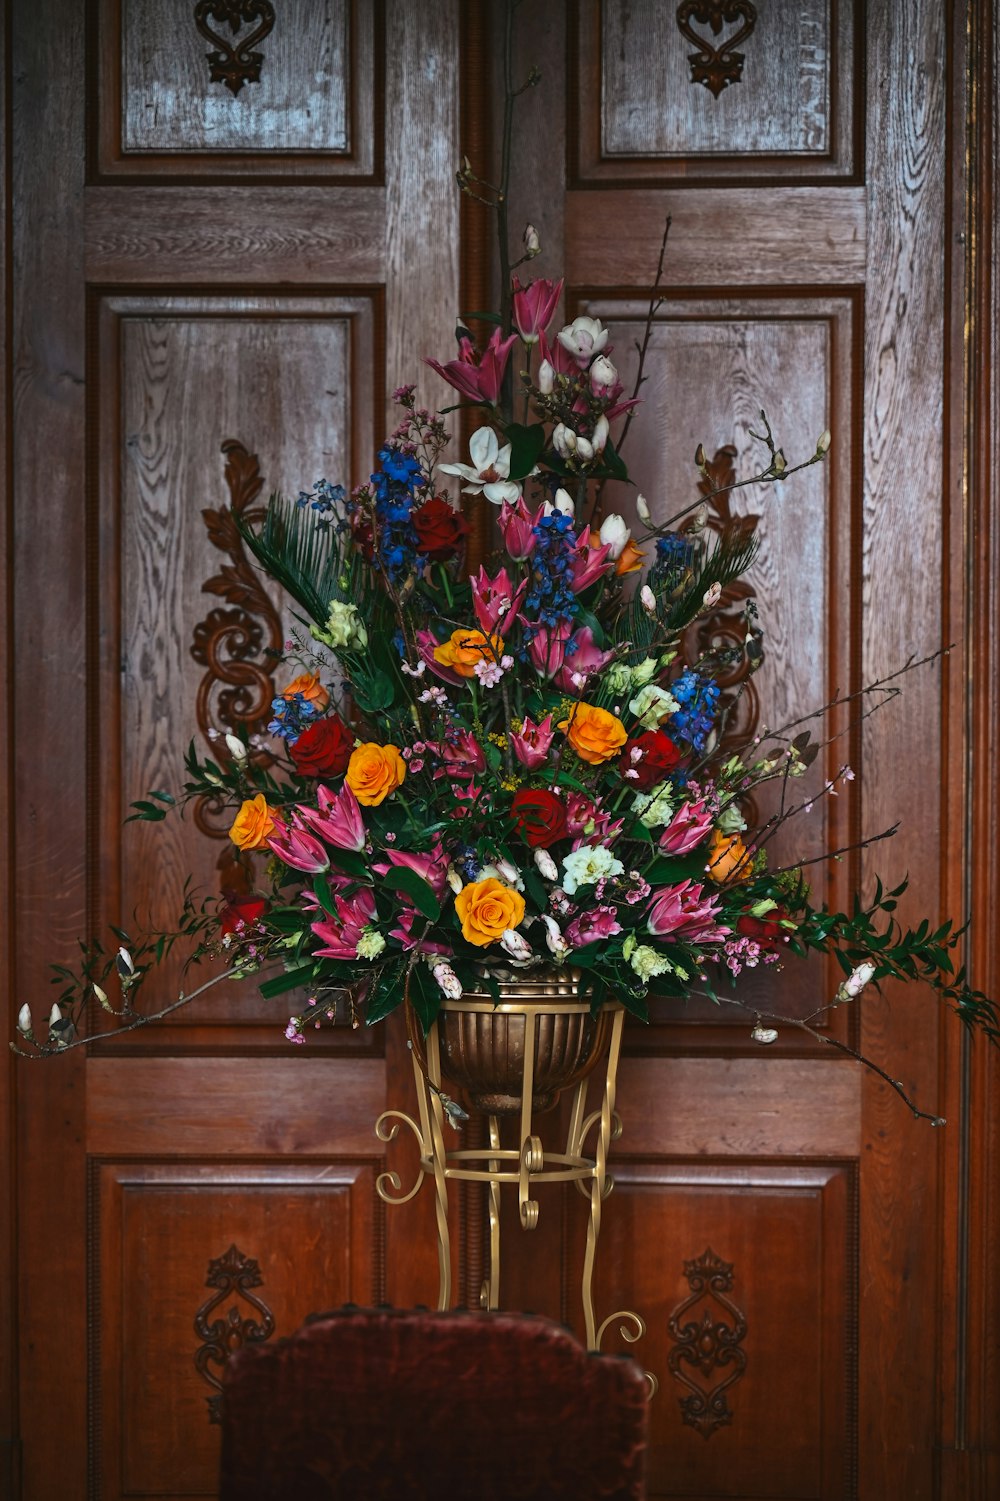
(291, 716)
(393, 483)
(551, 596)
(698, 697)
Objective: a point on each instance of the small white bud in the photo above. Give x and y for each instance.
(700, 519)
(643, 512)
(823, 442)
(584, 449)
(602, 432)
(563, 440)
(124, 962)
(764, 1035)
(546, 378)
(515, 945)
(603, 375)
(647, 599)
(563, 501)
(24, 1020)
(102, 996)
(532, 244)
(545, 865)
(508, 872)
(448, 981)
(454, 880)
(236, 749)
(558, 947)
(55, 1016)
(778, 463)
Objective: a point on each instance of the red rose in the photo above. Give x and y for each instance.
(324, 749)
(439, 528)
(241, 909)
(539, 816)
(660, 756)
(767, 931)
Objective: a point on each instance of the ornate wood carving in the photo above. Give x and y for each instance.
(234, 63)
(716, 66)
(707, 1330)
(232, 644)
(232, 1275)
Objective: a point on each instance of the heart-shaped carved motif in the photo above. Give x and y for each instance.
(234, 63)
(716, 66)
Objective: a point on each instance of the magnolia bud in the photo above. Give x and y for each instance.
(823, 442)
(102, 996)
(699, 456)
(563, 501)
(545, 865)
(602, 431)
(24, 1020)
(700, 519)
(643, 512)
(563, 440)
(584, 449)
(603, 375)
(614, 533)
(647, 599)
(124, 963)
(532, 244)
(546, 378)
(55, 1016)
(236, 749)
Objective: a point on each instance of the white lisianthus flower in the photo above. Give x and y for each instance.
(646, 961)
(731, 820)
(614, 534)
(370, 944)
(619, 679)
(643, 672)
(345, 630)
(588, 865)
(583, 338)
(489, 473)
(654, 808)
(651, 705)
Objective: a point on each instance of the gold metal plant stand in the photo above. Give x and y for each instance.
(527, 1165)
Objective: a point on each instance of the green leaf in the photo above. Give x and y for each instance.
(420, 892)
(425, 998)
(321, 886)
(613, 463)
(526, 444)
(480, 318)
(290, 980)
(385, 995)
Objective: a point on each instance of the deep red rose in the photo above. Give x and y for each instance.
(241, 909)
(539, 816)
(767, 931)
(660, 756)
(324, 749)
(439, 528)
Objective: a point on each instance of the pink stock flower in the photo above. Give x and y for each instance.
(298, 848)
(478, 376)
(518, 524)
(531, 745)
(582, 663)
(685, 912)
(341, 934)
(496, 601)
(547, 647)
(534, 306)
(600, 922)
(337, 818)
(689, 826)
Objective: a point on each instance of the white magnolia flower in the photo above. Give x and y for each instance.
(588, 865)
(614, 534)
(858, 979)
(489, 472)
(583, 338)
(652, 704)
(603, 374)
(562, 501)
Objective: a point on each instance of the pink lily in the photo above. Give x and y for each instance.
(297, 847)
(461, 756)
(342, 933)
(337, 819)
(589, 563)
(582, 663)
(598, 922)
(586, 821)
(478, 376)
(426, 642)
(534, 306)
(403, 934)
(496, 601)
(689, 826)
(432, 865)
(547, 647)
(685, 912)
(531, 745)
(518, 524)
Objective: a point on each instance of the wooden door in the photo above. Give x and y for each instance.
(190, 264)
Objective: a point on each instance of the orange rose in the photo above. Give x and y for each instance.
(728, 859)
(253, 824)
(487, 909)
(374, 771)
(312, 690)
(594, 734)
(630, 558)
(464, 649)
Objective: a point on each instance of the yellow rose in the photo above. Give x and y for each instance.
(487, 909)
(594, 734)
(728, 859)
(374, 771)
(464, 649)
(312, 690)
(252, 824)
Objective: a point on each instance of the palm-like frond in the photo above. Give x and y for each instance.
(301, 556)
(723, 566)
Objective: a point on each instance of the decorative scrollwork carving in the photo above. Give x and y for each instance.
(723, 628)
(232, 1275)
(707, 1330)
(716, 66)
(234, 63)
(233, 644)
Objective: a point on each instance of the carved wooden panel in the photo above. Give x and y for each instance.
(780, 1328)
(712, 366)
(221, 89)
(296, 379)
(315, 1236)
(723, 90)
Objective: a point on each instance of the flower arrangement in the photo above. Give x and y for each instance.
(517, 768)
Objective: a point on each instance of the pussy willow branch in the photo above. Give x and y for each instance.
(655, 303)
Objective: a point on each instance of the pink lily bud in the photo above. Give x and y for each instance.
(687, 829)
(518, 524)
(298, 848)
(547, 648)
(534, 306)
(496, 601)
(531, 745)
(337, 818)
(583, 663)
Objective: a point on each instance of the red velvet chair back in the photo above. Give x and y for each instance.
(367, 1405)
